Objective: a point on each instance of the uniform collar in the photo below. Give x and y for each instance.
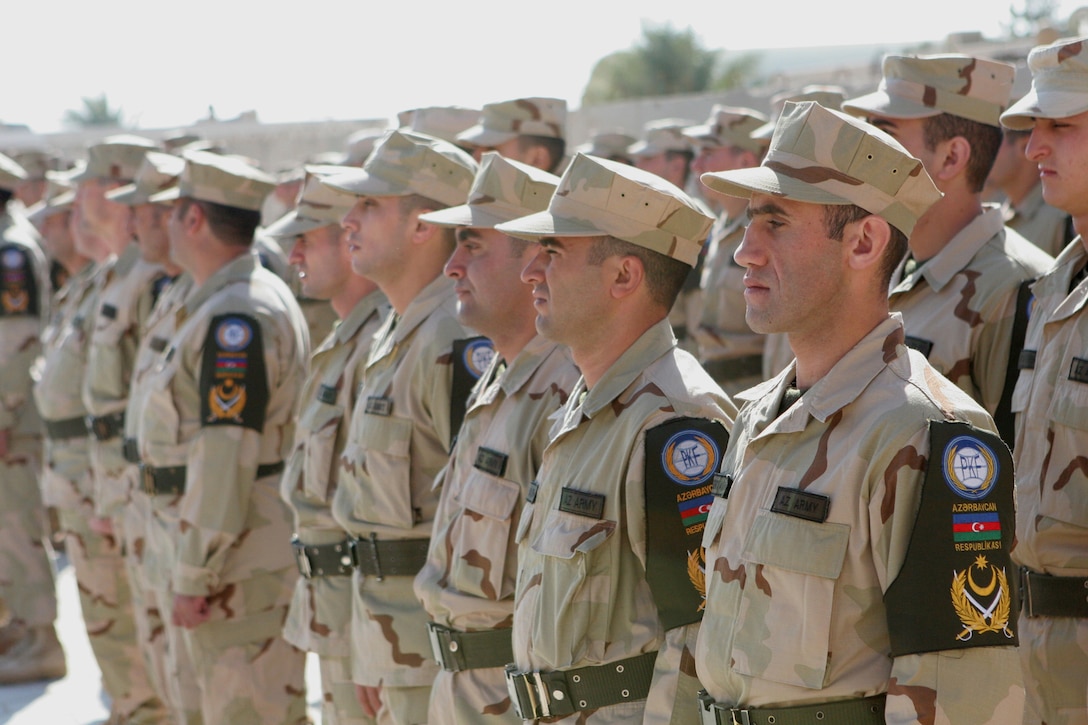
(1056, 283)
(1030, 205)
(238, 269)
(527, 362)
(960, 250)
(840, 387)
(429, 299)
(360, 313)
(651, 345)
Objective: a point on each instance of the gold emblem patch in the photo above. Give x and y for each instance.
(971, 605)
(227, 400)
(15, 301)
(697, 574)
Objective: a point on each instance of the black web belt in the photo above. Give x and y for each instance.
(170, 480)
(105, 427)
(389, 557)
(455, 651)
(60, 430)
(864, 711)
(1042, 595)
(324, 559)
(564, 692)
(131, 450)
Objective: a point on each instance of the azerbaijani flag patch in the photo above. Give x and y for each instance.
(976, 527)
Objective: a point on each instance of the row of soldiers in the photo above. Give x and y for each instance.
(510, 493)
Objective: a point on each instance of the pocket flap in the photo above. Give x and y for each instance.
(797, 545)
(563, 534)
(386, 434)
(493, 497)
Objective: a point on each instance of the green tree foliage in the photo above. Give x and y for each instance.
(664, 62)
(1031, 17)
(95, 112)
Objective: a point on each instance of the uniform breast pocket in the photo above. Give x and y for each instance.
(483, 533)
(321, 422)
(784, 618)
(1065, 492)
(385, 495)
(575, 591)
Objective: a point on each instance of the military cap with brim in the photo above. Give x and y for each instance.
(49, 207)
(819, 156)
(608, 144)
(117, 158)
(444, 122)
(827, 96)
(502, 190)
(317, 205)
(664, 134)
(729, 126)
(405, 163)
(1059, 84)
(220, 180)
(506, 120)
(11, 173)
(973, 88)
(158, 173)
(597, 197)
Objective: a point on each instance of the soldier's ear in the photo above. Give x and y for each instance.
(864, 242)
(626, 275)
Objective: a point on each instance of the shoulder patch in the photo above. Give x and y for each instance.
(957, 587)
(471, 358)
(18, 285)
(233, 380)
(682, 460)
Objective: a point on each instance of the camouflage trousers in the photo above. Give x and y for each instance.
(404, 706)
(106, 600)
(475, 696)
(339, 706)
(247, 673)
(1054, 660)
(183, 696)
(27, 584)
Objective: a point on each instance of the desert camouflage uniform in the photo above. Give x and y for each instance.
(229, 543)
(150, 569)
(1038, 222)
(1051, 403)
(958, 307)
(795, 610)
(26, 569)
(582, 593)
(386, 478)
(469, 580)
(724, 338)
(68, 482)
(319, 618)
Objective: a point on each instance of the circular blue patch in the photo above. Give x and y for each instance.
(690, 458)
(477, 356)
(233, 334)
(970, 467)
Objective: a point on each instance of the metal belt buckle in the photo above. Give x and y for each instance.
(1025, 591)
(438, 648)
(738, 717)
(301, 559)
(522, 706)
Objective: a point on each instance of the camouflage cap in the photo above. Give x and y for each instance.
(405, 163)
(973, 88)
(821, 156)
(500, 122)
(11, 173)
(59, 197)
(36, 162)
(225, 180)
(827, 96)
(608, 145)
(178, 139)
(597, 197)
(1059, 84)
(117, 158)
(664, 134)
(444, 122)
(502, 190)
(729, 126)
(317, 205)
(359, 146)
(157, 173)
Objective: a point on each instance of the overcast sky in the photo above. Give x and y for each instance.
(164, 64)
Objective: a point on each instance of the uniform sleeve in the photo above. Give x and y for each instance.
(20, 326)
(991, 355)
(972, 686)
(232, 386)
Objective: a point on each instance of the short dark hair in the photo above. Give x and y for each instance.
(984, 139)
(555, 147)
(231, 224)
(419, 203)
(837, 216)
(664, 275)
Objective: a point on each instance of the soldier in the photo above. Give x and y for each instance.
(530, 130)
(1050, 401)
(215, 426)
(467, 584)
(1025, 211)
(857, 548)
(416, 379)
(444, 122)
(29, 649)
(606, 614)
(102, 233)
(125, 312)
(319, 618)
(958, 289)
(37, 163)
(663, 150)
(728, 349)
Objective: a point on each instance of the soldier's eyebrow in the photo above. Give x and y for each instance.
(464, 234)
(769, 208)
(551, 242)
(882, 123)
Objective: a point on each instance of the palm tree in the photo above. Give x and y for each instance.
(95, 112)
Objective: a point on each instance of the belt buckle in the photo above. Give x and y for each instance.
(738, 717)
(1025, 591)
(434, 634)
(147, 479)
(301, 559)
(529, 707)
